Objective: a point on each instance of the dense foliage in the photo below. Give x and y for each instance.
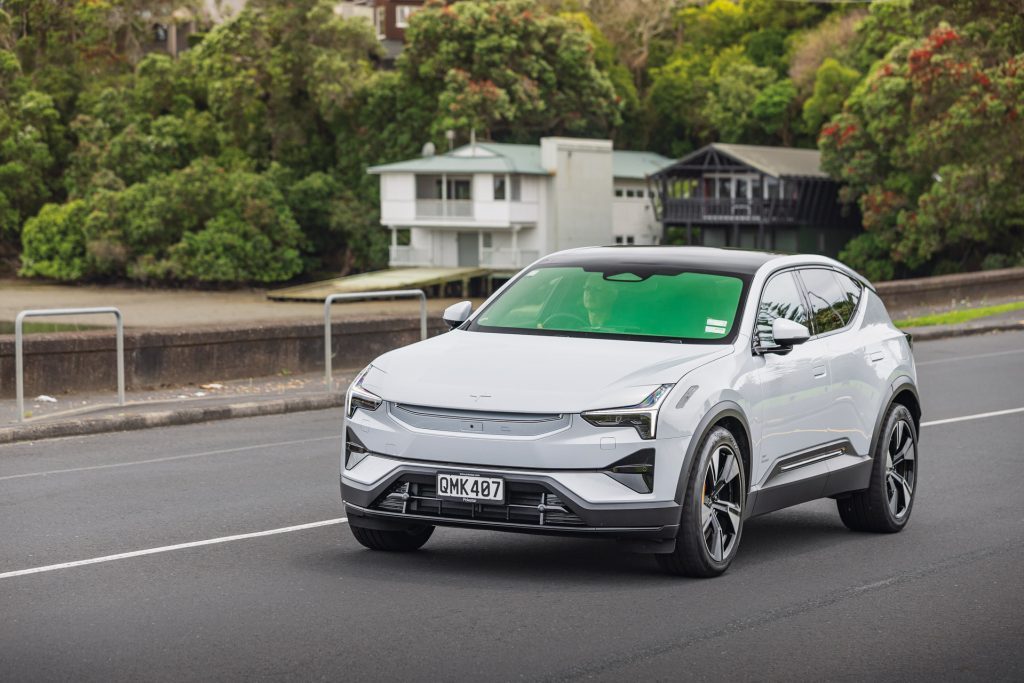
(243, 160)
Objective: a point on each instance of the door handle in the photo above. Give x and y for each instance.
(877, 356)
(819, 371)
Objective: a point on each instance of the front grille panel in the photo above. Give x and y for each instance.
(531, 504)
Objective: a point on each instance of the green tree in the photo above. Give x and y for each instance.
(736, 84)
(832, 85)
(508, 70)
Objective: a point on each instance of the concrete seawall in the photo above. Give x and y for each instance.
(81, 361)
(944, 289)
(68, 362)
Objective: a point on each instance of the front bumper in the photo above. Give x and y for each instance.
(537, 502)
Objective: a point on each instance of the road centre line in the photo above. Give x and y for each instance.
(221, 451)
(955, 359)
(977, 416)
(169, 548)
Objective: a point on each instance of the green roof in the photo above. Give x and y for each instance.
(637, 165)
(519, 159)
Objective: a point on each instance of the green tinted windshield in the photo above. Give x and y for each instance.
(666, 303)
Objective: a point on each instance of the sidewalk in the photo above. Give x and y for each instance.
(189, 309)
(93, 413)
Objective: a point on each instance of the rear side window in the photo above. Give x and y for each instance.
(780, 299)
(832, 303)
(852, 289)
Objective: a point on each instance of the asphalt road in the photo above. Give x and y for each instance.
(805, 599)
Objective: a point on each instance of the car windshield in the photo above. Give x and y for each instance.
(660, 302)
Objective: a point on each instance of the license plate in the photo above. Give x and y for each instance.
(470, 488)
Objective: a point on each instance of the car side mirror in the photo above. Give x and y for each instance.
(788, 332)
(456, 314)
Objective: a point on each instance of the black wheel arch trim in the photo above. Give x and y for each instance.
(720, 410)
(898, 386)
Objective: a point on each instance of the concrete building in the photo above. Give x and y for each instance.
(501, 206)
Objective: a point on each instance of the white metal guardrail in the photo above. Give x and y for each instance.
(362, 296)
(47, 312)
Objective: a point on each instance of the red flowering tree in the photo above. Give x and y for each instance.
(931, 145)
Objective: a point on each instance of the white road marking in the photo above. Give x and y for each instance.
(978, 416)
(955, 359)
(169, 458)
(169, 548)
(287, 529)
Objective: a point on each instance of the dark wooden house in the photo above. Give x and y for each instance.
(754, 197)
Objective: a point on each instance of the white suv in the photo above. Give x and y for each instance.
(655, 395)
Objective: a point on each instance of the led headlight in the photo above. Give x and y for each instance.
(360, 397)
(643, 417)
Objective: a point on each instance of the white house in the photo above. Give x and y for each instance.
(501, 206)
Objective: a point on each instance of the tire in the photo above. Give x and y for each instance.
(392, 541)
(711, 526)
(885, 505)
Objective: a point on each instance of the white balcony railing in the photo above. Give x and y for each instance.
(507, 258)
(442, 208)
(408, 256)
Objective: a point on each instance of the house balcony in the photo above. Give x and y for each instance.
(705, 210)
(458, 213)
(457, 209)
(400, 256)
(500, 257)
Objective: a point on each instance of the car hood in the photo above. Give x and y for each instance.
(531, 373)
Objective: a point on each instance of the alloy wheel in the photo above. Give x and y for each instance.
(899, 469)
(721, 503)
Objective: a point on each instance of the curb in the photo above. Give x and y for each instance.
(948, 331)
(167, 418)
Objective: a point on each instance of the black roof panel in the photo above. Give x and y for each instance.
(737, 261)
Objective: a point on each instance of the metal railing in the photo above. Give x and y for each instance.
(47, 312)
(444, 208)
(362, 296)
(400, 255)
(730, 210)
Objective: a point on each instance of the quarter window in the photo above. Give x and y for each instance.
(780, 299)
(831, 306)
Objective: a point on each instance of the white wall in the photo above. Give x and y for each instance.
(581, 210)
(634, 216)
(397, 197)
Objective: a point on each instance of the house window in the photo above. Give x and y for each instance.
(618, 191)
(499, 187)
(380, 20)
(618, 239)
(630, 239)
(159, 33)
(487, 240)
(430, 187)
(516, 189)
(402, 14)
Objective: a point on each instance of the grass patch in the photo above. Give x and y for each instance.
(7, 327)
(962, 316)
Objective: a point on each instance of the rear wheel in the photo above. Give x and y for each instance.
(395, 541)
(885, 505)
(712, 518)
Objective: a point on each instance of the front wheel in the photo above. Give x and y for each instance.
(404, 540)
(885, 505)
(712, 518)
